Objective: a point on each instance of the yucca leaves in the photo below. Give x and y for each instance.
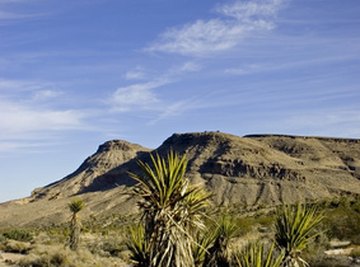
(294, 230)
(138, 246)
(256, 255)
(172, 210)
(204, 241)
(76, 205)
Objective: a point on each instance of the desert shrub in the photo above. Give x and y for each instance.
(56, 256)
(314, 253)
(355, 253)
(343, 223)
(356, 206)
(14, 246)
(19, 235)
(113, 247)
(244, 225)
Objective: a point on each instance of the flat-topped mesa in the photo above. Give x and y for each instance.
(183, 142)
(269, 169)
(323, 138)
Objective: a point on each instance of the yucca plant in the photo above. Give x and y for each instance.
(295, 228)
(138, 246)
(219, 254)
(172, 210)
(204, 241)
(256, 255)
(75, 206)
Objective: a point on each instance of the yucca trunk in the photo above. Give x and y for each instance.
(75, 229)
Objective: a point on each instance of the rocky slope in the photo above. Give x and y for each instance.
(258, 170)
(96, 167)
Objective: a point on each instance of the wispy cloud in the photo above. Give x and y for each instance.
(24, 124)
(13, 16)
(234, 23)
(279, 65)
(190, 67)
(142, 96)
(343, 122)
(19, 118)
(244, 10)
(46, 94)
(135, 74)
(139, 95)
(7, 85)
(175, 109)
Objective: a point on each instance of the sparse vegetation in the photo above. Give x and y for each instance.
(14, 246)
(176, 228)
(58, 256)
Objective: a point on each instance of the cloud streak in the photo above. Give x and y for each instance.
(234, 23)
(142, 95)
(21, 119)
(136, 96)
(25, 124)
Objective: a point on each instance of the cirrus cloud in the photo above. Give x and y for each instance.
(236, 22)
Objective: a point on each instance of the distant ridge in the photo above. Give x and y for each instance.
(250, 171)
(338, 139)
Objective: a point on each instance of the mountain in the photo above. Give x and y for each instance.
(95, 168)
(254, 170)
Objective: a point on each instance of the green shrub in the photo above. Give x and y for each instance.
(19, 235)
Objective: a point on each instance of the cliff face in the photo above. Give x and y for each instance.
(243, 171)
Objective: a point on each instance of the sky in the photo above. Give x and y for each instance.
(74, 74)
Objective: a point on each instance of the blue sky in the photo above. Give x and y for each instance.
(74, 74)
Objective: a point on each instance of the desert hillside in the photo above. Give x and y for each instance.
(250, 171)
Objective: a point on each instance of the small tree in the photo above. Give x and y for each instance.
(294, 230)
(172, 211)
(75, 207)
